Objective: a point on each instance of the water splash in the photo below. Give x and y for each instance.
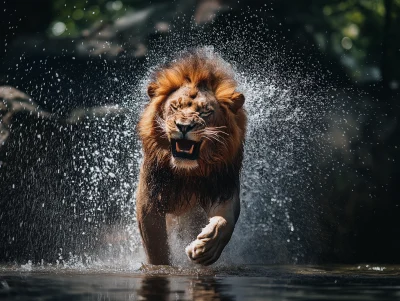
(92, 205)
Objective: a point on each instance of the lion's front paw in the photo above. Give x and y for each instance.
(209, 244)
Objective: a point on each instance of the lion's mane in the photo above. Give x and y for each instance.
(212, 181)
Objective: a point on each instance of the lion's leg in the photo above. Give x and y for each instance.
(209, 244)
(152, 226)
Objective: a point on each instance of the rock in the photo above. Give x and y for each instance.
(12, 102)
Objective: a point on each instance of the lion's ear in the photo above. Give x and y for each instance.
(151, 89)
(237, 101)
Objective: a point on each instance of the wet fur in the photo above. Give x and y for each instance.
(217, 187)
(164, 188)
(219, 179)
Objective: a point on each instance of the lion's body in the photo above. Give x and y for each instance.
(192, 132)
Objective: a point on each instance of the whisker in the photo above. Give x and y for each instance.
(197, 132)
(213, 130)
(215, 138)
(217, 127)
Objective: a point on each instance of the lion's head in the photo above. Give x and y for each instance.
(194, 120)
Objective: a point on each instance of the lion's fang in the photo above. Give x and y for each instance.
(190, 151)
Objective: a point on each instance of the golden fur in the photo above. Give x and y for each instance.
(186, 91)
(198, 71)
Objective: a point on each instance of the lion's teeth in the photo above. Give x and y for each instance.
(187, 151)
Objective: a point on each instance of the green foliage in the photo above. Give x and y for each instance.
(356, 30)
(71, 17)
(351, 31)
(359, 33)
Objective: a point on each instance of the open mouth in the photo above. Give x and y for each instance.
(186, 149)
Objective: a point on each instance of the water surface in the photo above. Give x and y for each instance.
(360, 282)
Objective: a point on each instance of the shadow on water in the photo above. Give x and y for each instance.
(177, 288)
(112, 287)
(243, 283)
(155, 288)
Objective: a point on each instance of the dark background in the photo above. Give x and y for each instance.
(357, 42)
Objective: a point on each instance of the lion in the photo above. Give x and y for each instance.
(192, 132)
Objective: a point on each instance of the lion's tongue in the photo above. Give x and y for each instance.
(185, 146)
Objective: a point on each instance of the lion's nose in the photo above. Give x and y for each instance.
(184, 128)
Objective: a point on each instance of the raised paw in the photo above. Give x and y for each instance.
(208, 246)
